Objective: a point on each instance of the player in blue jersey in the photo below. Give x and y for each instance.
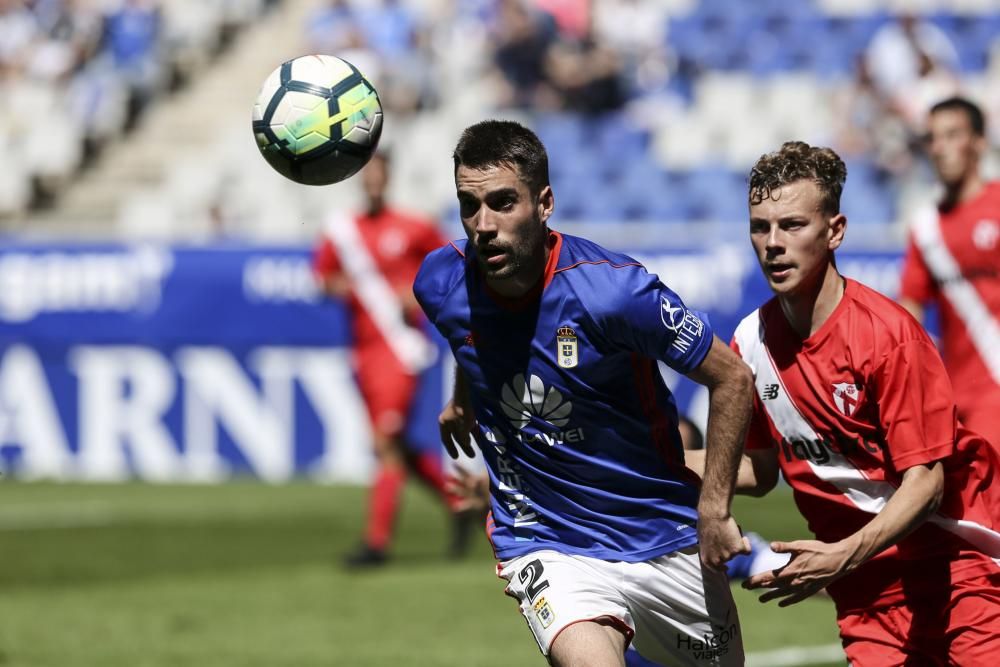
(596, 522)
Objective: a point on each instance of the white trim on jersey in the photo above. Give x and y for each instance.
(866, 494)
(410, 347)
(983, 329)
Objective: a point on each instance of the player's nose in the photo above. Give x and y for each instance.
(485, 223)
(773, 241)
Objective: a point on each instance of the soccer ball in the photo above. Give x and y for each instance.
(317, 120)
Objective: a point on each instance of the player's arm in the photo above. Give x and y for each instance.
(916, 416)
(916, 284)
(332, 281)
(758, 471)
(456, 420)
(730, 387)
(816, 564)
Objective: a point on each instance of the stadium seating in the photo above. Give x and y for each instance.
(740, 79)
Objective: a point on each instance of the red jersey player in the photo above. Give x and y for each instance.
(953, 260)
(372, 260)
(854, 406)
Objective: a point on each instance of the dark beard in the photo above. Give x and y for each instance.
(520, 253)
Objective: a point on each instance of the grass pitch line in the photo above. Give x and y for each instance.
(794, 656)
(43, 516)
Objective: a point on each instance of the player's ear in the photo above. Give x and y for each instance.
(836, 230)
(546, 203)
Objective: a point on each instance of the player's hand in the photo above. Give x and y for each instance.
(455, 424)
(719, 540)
(813, 566)
(471, 489)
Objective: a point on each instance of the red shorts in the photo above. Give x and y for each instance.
(387, 389)
(962, 628)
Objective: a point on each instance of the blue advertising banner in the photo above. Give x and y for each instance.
(197, 363)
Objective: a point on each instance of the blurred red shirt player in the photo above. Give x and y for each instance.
(371, 261)
(855, 408)
(953, 260)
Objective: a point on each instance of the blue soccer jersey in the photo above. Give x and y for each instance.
(577, 428)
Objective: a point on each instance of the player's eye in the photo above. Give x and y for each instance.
(467, 207)
(504, 203)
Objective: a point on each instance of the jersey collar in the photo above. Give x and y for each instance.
(518, 303)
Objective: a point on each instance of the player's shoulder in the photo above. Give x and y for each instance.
(750, 331)
(409, 218)
(886, 323)
(993, 191)
(584, 261)
(440, 271)
(602, 280)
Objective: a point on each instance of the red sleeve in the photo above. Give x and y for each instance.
(326, 263)
(916, 404)
(758, 433)
(916, 281)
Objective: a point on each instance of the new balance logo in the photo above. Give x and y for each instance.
(769, 392)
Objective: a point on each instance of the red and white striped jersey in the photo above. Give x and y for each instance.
(849, 409)
(953, 259)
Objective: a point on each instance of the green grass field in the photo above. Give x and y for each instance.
(248, 574)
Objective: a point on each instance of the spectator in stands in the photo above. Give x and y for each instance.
(332, 28)
(868, 126)
(635, 30)
(371, 260)
(585, 74)
(133, 33)
(904, 49)
(522, 38)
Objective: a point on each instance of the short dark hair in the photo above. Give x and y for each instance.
(976, 119)
(796, 161)
(494, 143)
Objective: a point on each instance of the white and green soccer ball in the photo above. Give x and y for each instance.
(317, 120)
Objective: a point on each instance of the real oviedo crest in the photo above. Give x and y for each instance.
(566, 347)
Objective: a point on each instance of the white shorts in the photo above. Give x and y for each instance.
(674, 611)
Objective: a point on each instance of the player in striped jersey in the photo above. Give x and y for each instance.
(953, 261)
(853, 405)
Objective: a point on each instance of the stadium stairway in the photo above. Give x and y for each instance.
(177, 127)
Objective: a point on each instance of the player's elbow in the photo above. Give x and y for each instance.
(928, 481)
(935, 488)
(758, 473)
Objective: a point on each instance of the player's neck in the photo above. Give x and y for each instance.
(965, 190)
(808, 309)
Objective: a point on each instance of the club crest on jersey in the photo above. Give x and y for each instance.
(543, 612)
(846, 396)
(985, 234)
(566, 348)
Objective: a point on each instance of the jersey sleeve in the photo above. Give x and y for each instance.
(916, 281)
(326, 263)
(651, 319)
(438, 274)
(916, 404)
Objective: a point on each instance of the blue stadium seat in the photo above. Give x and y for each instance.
(562, 134)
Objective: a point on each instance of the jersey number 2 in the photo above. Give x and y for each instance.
(529, 576)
